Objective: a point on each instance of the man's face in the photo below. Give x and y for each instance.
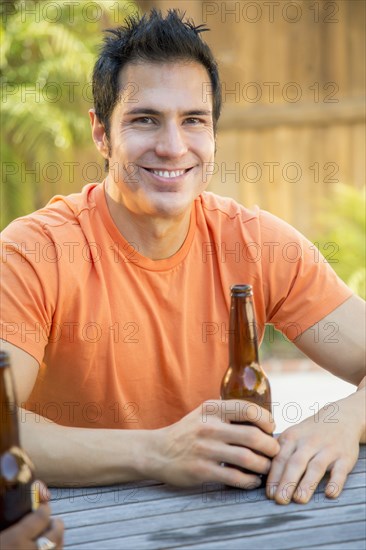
(161, 138)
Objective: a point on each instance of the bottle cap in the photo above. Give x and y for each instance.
(241, 290)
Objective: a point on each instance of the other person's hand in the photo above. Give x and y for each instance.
(24, 534)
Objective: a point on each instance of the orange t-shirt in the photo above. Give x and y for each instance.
(128, 342)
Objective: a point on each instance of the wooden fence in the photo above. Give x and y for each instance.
(293, 84)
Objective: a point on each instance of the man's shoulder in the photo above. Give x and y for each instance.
(216, 206)
(61, 213)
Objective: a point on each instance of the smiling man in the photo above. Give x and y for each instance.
(159, 146)
(111, 297)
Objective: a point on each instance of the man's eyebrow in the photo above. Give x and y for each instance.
(142, 111)
(147, 111)
(199, 112)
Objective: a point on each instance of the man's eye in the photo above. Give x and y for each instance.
(143, 120)
(193, 120)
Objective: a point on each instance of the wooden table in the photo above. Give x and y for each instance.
(153, 515)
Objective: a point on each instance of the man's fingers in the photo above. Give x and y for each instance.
(35, 523)
(244, 458)
(315, 472)
(232, 410)
(234, 477)
(337, 479)
(41, 492)
(253, 413)
(278, 467)
(252, 437)
(56, 533)
(289, 481)
(242, 434)
(295, 475)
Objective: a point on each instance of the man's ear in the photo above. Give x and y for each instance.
(99, 135)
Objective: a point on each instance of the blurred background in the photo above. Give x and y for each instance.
(292, 133)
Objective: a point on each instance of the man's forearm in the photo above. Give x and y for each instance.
(186, 453)
(67, 456)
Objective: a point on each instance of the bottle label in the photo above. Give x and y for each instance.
(35, 496)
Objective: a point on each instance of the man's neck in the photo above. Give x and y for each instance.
(155, 238)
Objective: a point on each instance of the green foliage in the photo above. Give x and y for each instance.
(341, 240)
(342, 231)
(45, 71)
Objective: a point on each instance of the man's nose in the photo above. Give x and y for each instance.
(170, 141)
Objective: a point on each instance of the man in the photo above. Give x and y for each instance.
(109, 296)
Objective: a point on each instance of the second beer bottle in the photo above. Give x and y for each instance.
(244, 378)
(17, 495)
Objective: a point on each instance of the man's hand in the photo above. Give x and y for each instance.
(192, 450)
(324, 442)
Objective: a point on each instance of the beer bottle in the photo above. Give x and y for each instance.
(244, 378)
(16, 469)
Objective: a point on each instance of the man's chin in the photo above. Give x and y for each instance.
(170, 207)
(169, 213)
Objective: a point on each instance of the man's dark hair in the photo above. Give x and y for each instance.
(153, 39)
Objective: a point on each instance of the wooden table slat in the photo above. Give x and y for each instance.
(152, 516)
(178, 500)
(297, 537)
(103, 523)
(357, 544)
(362, 451)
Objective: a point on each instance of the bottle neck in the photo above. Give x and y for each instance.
(9, 431)
(243, 341)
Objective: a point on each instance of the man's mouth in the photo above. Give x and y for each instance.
(168, 174)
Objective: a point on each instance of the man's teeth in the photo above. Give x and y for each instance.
(167, 174)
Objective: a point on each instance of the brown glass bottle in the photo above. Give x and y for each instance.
(16, 469)
(245, 378)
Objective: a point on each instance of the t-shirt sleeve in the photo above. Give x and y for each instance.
(299, 284)
(28, 286)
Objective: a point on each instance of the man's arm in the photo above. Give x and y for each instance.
(188, 452)
(66, 456)
(337, 342)
(326, 442)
